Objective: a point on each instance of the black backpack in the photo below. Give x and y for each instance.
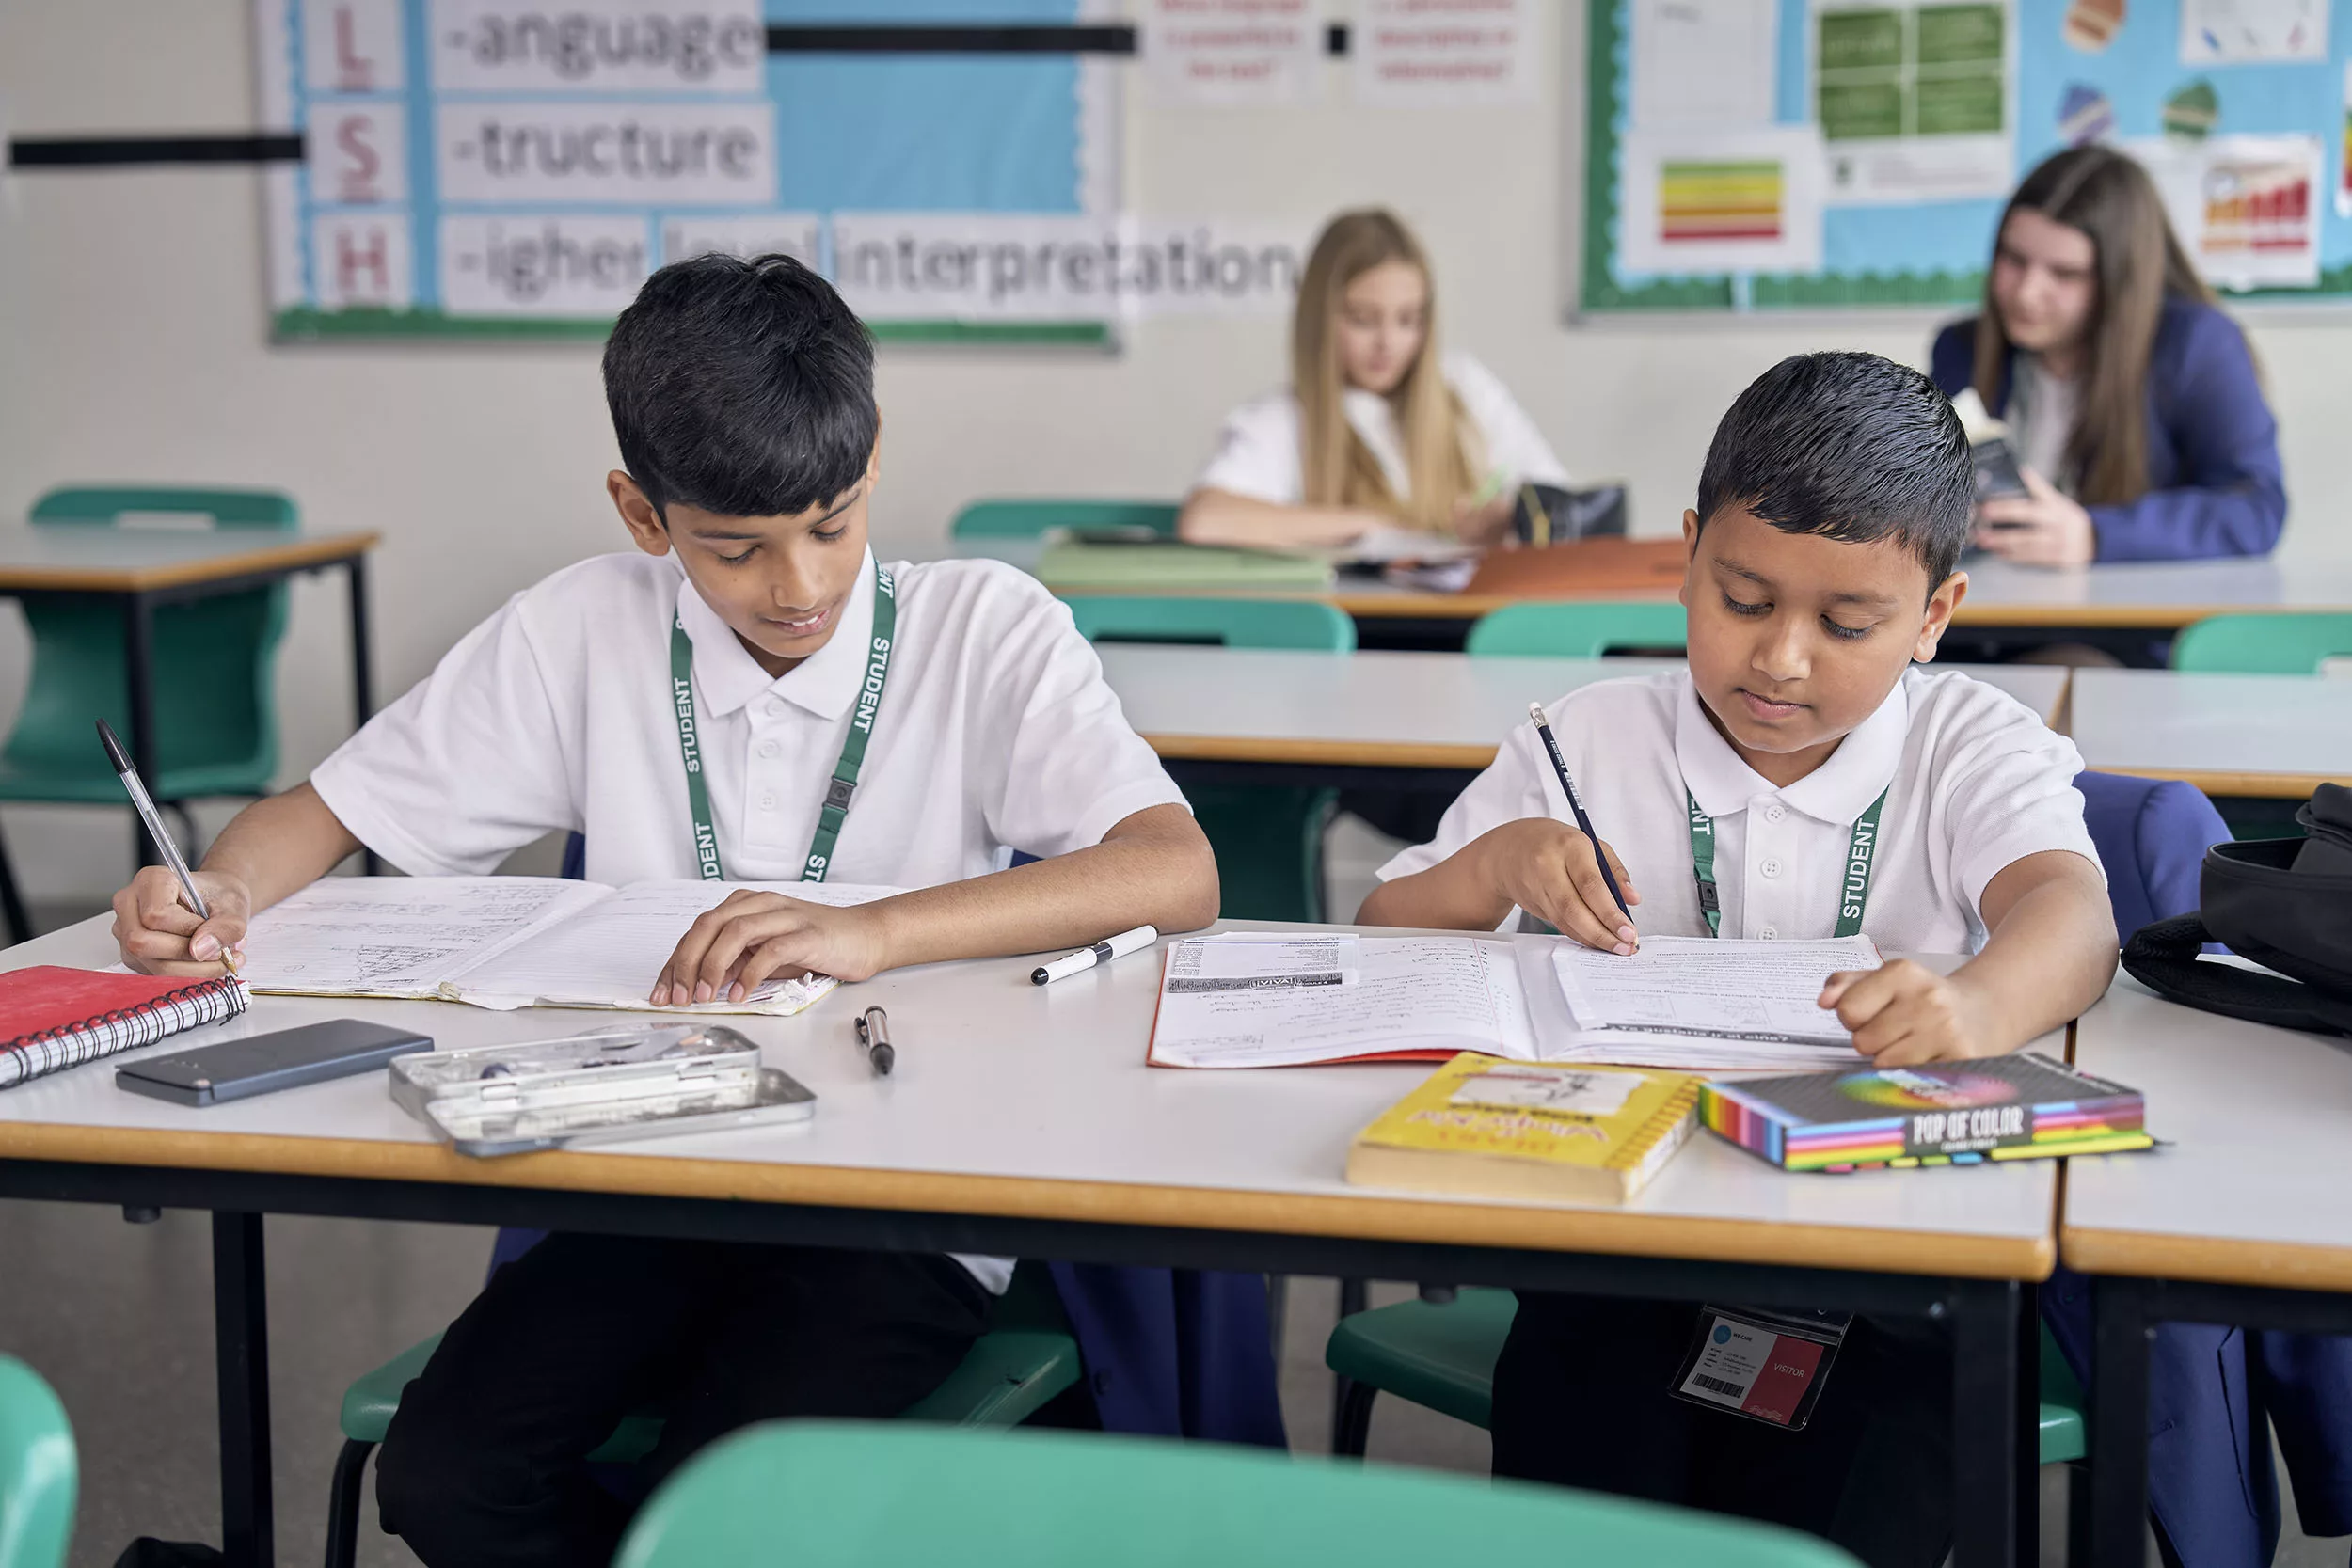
(2284, 903)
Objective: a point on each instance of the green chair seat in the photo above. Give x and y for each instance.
(40, 1472)
(1027, 518)
(848, 1496)
(1443, 1356)
(68, 785)
(2288, 643)
(1578, 628)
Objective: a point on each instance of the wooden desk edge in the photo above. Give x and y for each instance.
(321, 551)
(1365, 754)
(1369, 1217)
(2156, 1255)
(2276, 786)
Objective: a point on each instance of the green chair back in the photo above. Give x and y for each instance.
(38, 1471)
(1230, 622)
(1269, 839)
(1580, 629)
(1027, 519)
(900, 1496)
(2287, 643)
(216, 721)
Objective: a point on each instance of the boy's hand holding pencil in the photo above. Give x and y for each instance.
(1553, 872)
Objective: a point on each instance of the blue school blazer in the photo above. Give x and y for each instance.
(2214, 482)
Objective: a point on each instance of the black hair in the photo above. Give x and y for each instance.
(742, 387)
(1849, 445)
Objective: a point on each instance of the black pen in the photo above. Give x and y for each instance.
(873, 1034)
(1576, 804)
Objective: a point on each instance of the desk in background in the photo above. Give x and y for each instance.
(2239, 1218)
(2125, 607)
(2258, 744)
(1023, 1120)
(143, 567)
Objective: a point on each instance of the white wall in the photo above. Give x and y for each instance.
(132, 346)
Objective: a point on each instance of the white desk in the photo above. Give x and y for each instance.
(2240, 1218)
(1384, 709)
(2277, 736)
(1024, 1119)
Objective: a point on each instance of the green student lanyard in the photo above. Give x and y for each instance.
(837, 807)
(1852, 894)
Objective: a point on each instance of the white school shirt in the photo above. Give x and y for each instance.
(1258, 451)
(996, 732)
(2042, 409)
(1973, 782)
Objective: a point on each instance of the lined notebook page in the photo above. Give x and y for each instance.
(1697, 1002)
(1415, 993)
(610, 954)
(397, 936)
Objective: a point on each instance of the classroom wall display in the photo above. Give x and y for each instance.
(1761, 154)
(515, 167)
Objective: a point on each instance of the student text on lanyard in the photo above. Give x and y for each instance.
(1853, 887)
(836, 808)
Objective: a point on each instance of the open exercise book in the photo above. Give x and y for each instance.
(1252, 999)
(505, 941)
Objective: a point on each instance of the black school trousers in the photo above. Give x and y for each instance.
(1581, 1399)
(486, 1462)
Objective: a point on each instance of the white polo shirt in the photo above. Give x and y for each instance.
(1258, 451)
(1973, 782)
(996, 732)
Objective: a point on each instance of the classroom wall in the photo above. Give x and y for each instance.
(132, 346)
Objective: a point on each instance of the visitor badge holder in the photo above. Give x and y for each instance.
(1765, 1366)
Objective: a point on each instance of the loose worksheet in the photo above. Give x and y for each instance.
(1415, 993)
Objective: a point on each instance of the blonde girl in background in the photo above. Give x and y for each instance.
(1377, 427)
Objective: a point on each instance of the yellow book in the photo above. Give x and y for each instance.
(1498, 1129)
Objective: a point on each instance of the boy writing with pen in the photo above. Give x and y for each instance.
(748, 692)
(1800, 779)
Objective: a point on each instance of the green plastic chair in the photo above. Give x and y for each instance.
(1028, 1356)
(216, 722)
(1027, 519)
(1269, 839)
(894, 1497)
(39, 1470)
(2282, 644)
(1579, 629)
(1442, 1355)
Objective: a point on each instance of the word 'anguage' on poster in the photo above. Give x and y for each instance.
(715, 46)
(662, 154)
(979, 266)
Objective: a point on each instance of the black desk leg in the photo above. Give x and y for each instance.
(2029, 1406)
(138, 671)
(1984, 1422)
(363, 681)
(241, 1351)
(2119, 1338)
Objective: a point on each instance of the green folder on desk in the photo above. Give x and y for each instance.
(1076, 563)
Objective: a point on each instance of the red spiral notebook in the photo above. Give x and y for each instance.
(53, 1017)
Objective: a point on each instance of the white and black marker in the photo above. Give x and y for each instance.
(1101, 953)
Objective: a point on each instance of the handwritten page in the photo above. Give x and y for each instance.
(610, 954)
(1695, 1002)
(1416, 994)
(397, 936)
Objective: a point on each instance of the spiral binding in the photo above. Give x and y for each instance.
(119, 1029)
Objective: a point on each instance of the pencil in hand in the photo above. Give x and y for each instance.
(1576, 804)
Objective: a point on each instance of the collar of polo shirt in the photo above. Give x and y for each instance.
(727, 677)
(1839, 791)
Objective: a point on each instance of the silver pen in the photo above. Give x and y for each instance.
(137, 788)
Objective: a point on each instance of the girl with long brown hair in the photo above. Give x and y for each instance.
(2142, 430)
(1378, 426)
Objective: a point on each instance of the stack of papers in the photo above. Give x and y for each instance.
(1252, 999)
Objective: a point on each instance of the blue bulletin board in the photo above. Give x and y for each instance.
(515, 167)
(1808, 153)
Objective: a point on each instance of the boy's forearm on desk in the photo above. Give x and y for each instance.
(1154, 868)
(2050, 949)
(281, 844)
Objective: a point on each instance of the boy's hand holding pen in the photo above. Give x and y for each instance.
(165, 921)
(1561, 874)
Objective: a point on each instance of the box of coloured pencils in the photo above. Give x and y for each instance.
(2020, 1107)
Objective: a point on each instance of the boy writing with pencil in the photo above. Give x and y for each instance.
(749, 690)
(1738, 794)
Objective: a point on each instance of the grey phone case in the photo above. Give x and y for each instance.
(238, 1070)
